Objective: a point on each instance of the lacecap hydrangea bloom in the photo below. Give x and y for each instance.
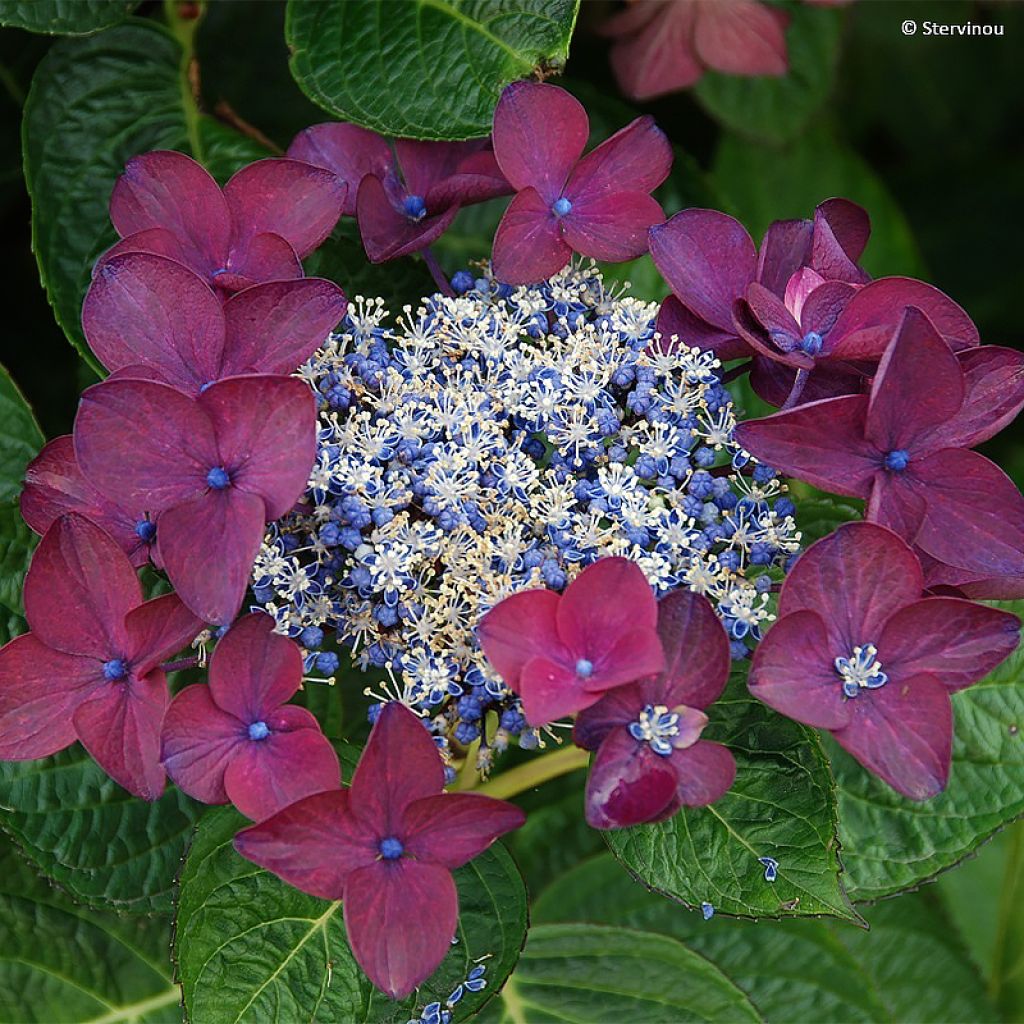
(501, 440)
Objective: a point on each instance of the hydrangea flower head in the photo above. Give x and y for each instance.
(599, 206)
(149, 316)
(55, 486)
(386, 847)
(504, 440)
(859, 652)
(406, 199)
(269, 216)
(905, 447)
(210, 470)
(237, 739)
(650, 758)
(89, 669)
(560, 652)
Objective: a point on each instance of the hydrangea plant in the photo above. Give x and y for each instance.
(343, 586)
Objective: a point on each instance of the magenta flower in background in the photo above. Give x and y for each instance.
(905, 447)
(650, 759)
(210, 470)
(150, 317)
(856, 650)
(561, 652)
(599, 206)
(270, 215)
(237, 739)
(55, 486)
(386, 847)
(662, 46)
(802, 307)
(89, 668)
(405, 200)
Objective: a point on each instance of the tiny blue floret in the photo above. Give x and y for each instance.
(218, 478)
(114, 670)
(562, 207)
(707, 910)
(145, 530)
(391, 848)
(811, 343)
(415, 208)
(584, 668)
(771, 868)
(897, 460)
(259, 731)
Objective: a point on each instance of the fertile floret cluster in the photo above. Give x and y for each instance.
(501, 440)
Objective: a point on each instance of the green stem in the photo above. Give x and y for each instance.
(184, 30)
(1005, 985)
(533, 773)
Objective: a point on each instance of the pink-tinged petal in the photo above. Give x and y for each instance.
(798, 287)
(528, 245)
(975, 517)
(198, 741)
(265, 776)
(78, 590)
(156, 242)
(855, 579)
(696, 651)
(898, 502)
(708, 259)
(387, 233)
(793, 671)
(263, 257)
(867, 324)
(675, 320)
(841, 231)
(275, 327)
(55, 486)
(315, 844)
(824, 306)
(942, 578)
(254, 669)
(955, 641)
(906, 403)
(741, 38)
(266, 436)
(39, 691)
(629, 783)
(158, 629)
(120, 727)
(607, 601)
(786, 248)
(476, 179)
(452, 828)
(611, 226)
(636, 654)
(777, 320)
(550, 691)
(993, 395)
(821, 443)
(290, 198)
(520, 628)
(150, 311)
(904, 734)
(637, 157)
(539, 134)
(691, 724)
(400, 917)
(142, 444)
(652, 55)
(772, 381)
(349, 151)
(426, 164)
(616, 708)
(208, 545)
(170, 190)
(400, 764)
(704, 773)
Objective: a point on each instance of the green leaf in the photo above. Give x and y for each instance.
(782, 805)
(423, 69)
(910, 966)
(817, 514)
(789, 181)
(95, 103)
(60, 963)
(586, 974)
(251, 948)
(104, 846)
(890, 843)
(341, 259)
(65, 17)
(774, 109)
